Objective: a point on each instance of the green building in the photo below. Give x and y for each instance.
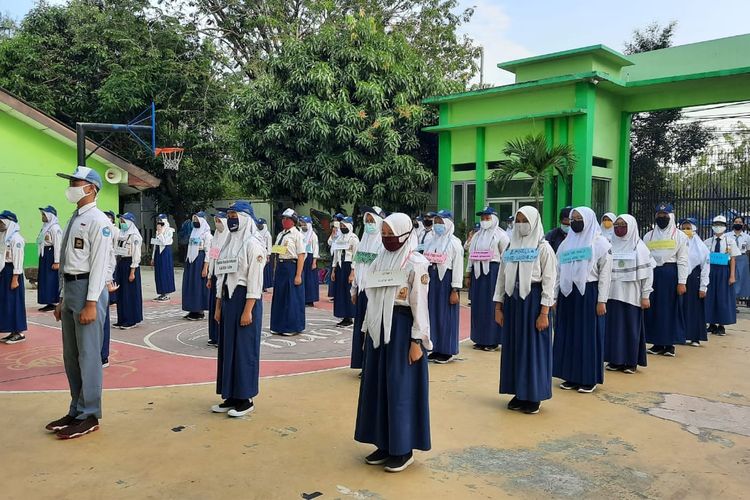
(33, 147)
(584, 97)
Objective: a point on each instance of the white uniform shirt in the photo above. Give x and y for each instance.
(425, 238)
(88, 248)
(293, 241)
(601, 272)
(742, 241)
(53, 238)
(455, 261)
(678, 255)
(726, 244)
(631, 292)
(313, 246)
(163, 240)
(414, 296)
(250, 262)
(131, 245)
(497, 251)
(14, 251)
(340, 256)
(544, 271)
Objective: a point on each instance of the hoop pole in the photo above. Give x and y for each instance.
(153, 127)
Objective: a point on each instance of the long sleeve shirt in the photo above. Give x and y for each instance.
(543, 270)
(678, 254)
(87, 244)
(250, 263)
(53, 238)
(14, 253)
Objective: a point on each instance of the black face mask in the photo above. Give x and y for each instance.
(196, 225)
(416, 225)
(344, 230)
(576, 226)
(427, 223)
(160, 224)
(662, 222)
(737, 227)
(261, 227)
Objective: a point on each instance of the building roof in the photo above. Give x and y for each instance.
(601, 51)
(137, 177)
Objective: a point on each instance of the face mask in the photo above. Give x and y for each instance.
(304, 228)
(576, 226)
(124, 226)
(371, 227)
(196, 224)
(688, 232)
(344, 230)
(621, 231)
(415, 225)
(565, 229)
(75, 193)
(439, 229)
(427, 223)
(261, 227)
(160, 224)
(287, 224)
(219, 226)
(233, 224)
(736, 227)
(662, 222)
(607, 224)
(485, 224)
(44, 219)
(523, 228)
(393, 243)
(718, 229)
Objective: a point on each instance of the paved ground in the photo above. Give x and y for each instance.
(679, 428)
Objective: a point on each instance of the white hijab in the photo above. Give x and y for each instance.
(49, 226)
(577, 272)
(168, 233)
(380, 300)
(697, 251)
(441, 244)
(609, 233)
(130, 231)
(668, 233)
(234, 243)
(221, 236)
(11, 229)
(307, 235)
(631, 242)
(197, 232)
(531, 240)
(372, 243)
(485, 239)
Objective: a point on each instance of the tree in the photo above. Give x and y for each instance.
(337, 118)
(532, 156)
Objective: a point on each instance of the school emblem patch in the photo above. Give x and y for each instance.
(402, 294)
(106, 232)
(260, 258)
(425, 279)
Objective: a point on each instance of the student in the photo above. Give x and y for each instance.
(632, 284)
(342, 276)
(509, 227)
(393, 410)
(114, 228)
(427, 233)
(369, 248)
(584, 277)
(12, 287)
(335, 234)
(288, 302)
(48, 244)
(239, 312)
(265, 238)
(523, 297)
(607, 225)
(557, 235)
(221, 234)
(664, 320)
(445, 254)
(128, 273)
(485, 254)
(310, 273)
(720, 298)
(111, 287)
(161, 258)
(195, 274)
(741, 267)
(697, 284)
(467, 245)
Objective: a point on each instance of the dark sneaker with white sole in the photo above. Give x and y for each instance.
(81, 428)
(629, 370)
(569, 386)
(669, 351)
(531, 407)
(655, 349)
(105, 362)
(612, 367)
(377, 457)
(16, 338)
(399, 463)
(61, 423)
(515, 404)
(242, 408)
(4, 339)
(225, 406)
(587, 389)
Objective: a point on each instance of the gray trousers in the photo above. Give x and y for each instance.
(82, 347)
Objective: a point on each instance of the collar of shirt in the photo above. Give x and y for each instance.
(86, 208)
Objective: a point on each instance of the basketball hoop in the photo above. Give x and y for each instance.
(171, 157)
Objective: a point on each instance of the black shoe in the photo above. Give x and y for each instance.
(515, 404)
(224, 407)
(399, 463)
(612, 367)
(377, 457)
(242, 408)
(719, 331)
(629, 369)
(213, 343)
(586, 389)
(668, 351)
(80, 428)
(310, 304)
(6, 338)
(479, 347)
(656, 349)
(569, 386)
(530, 407)
(105, 362)
(47, 308)
(15, 338)
(443, 359)
(432, 356)
(345, 322)
(61, 423)
(712, 328)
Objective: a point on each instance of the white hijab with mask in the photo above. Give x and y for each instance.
(517, 240)
(6, 237)
(222, 233)
(197, 233)
(577, 272)
(307, 236)
(47, 227)
(608, 233)
(441, 244)
(697, 251)
(370, 243)
(380, 300)
(132, 230)
(167, 234)
(631, 242)
(235, 244)
(485, 239)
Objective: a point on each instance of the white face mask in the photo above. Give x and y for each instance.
(718, 229)
(485, 224)
(523, 228)
(219, 226)
(75, 193)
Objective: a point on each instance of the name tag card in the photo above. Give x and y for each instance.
(576, 255)
(122, 251)
(339, 246)
(719, 259)
(623, 256)
(226, 266)
(661, 245)
(155, 242)
(279, 249)
(436, 258)
(195, 241)
(481, 255)
(420, 247)
(214, 253)
(364, 257)
(377, 279)
(521, 255)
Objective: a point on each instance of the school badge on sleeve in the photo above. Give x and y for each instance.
(403, 293)
(260, 258)
(425, 279)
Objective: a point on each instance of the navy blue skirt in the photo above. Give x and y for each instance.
(288, 302)
(526, 358)
(393, 412)
(342, 292)
(443, 315)
(578, 349)
(625, 341)
(268, 272)
(742, 273)
(664, 320)
(358, 345)
(695, 308)
(194, 290)
(12, 302)
(213, 326)
(720, 299)
(330, 283)
(238, 366)
(484, 328)
(310, 281)
(107, 331)
(164, 271)
(48, 280)
(130, 301)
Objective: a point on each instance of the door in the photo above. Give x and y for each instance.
(464, 198)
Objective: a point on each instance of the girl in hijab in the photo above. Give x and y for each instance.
(697, 284)
(607, 225)
(195, 275)
(632, 284)
(393, 411)
(741, 263)
(342, 276)
(288, 302)
(310, 273)
(239, 312)
(369, 248)
(335, 234)
(523, 297)
(266, 240)
(444, 253)
(485, 254)
(664, 320)
(12, 289)
(217, 242)
(720, 299)
(584, 274)
(161, 258)
(49, 243)
(128, 273)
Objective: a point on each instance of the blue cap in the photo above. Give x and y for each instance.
(339, 216)
(8, 215)
(306, 218)
(243, 206)
(111, 214)
(261, 221)
(691, 220)
(49, 209)
(128, 216)
(419, 218)
(445, 214)
(665, 207)
(430, 214)
(200, 214)
(220, 215)
(348, 220)
(84, 174)
(162, 216)
(487, 211)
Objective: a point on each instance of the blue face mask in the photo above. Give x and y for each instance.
(564, 228)
(124, 226)
(439, 229)
(371, 228)
(233, 224)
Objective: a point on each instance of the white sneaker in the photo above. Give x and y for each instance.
(241, 410)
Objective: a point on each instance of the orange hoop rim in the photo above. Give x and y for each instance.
(161, 151)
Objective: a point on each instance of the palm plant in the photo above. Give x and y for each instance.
(531, 155)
